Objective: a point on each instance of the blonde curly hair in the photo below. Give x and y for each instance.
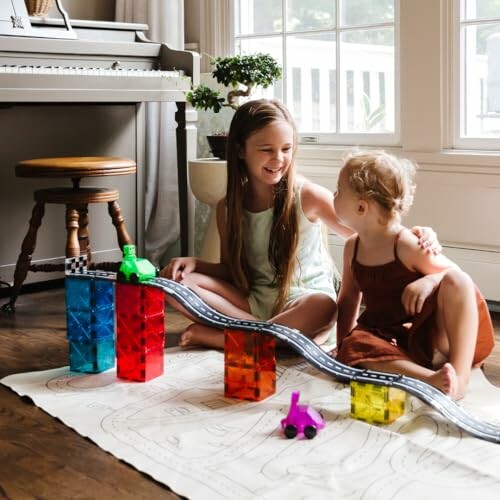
(383, 178)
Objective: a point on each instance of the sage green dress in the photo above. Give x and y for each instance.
(314, 271)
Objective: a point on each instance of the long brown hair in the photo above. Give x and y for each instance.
(248, 119)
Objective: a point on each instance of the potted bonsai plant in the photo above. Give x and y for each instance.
(242, 74)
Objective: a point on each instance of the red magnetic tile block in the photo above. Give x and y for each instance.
(139, 300)
(136, 332)
(140, 366)
(249, 365)
(140, 331)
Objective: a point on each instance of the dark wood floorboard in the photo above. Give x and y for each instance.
(42, 458)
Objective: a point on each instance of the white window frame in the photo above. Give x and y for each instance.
(457, 116)
(340, 138)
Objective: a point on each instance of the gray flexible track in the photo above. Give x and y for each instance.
(325, 363)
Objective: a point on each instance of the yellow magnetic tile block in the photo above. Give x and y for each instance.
(376, 404)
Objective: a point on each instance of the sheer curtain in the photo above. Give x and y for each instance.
(216, 30)
(165, 19)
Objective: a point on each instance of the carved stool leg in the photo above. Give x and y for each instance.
(119, 223)
(24, 259)
(83, 232)
(72, 244)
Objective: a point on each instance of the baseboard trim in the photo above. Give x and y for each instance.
(38, 286)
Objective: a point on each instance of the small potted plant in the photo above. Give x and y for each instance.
(242, 74)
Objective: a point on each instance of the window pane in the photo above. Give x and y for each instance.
(367, 81)
(307, 15)
(259, 16)
(310, 77)
(269, 45)
(366, 12)
(481, 9)
(481, 92)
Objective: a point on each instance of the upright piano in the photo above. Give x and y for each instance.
(60, 61)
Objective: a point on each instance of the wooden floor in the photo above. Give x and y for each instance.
(42, 458)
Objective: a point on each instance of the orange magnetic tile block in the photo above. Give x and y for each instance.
(249, 365)
(376, 404)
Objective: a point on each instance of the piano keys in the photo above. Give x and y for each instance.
(109, 62)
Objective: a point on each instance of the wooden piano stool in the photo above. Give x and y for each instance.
(76, 199)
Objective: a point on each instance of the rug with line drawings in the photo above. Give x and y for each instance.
(180, 430)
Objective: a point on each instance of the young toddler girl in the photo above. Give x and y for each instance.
(434, 329)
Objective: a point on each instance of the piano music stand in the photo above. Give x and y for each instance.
(14, 21)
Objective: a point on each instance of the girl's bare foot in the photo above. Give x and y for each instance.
(446, 380)
(201, 335)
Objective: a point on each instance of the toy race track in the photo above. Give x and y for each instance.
(325, 363)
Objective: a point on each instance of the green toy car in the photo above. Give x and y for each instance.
(134, 269)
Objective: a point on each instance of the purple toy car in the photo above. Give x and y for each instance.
(301, 419)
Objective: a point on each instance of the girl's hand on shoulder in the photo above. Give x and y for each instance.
(178, 268)
(416, 293)
(427, 239)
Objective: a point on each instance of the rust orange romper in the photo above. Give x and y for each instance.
(385, 332)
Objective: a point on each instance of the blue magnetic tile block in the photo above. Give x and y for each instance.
(91, 357)
(79, 325)
(87, 326)
(79, 294)
(104, 323)
(90, 309)
(104, 294)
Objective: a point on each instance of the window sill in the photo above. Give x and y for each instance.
(448, 160)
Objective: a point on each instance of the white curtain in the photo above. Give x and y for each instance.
(165, 19)
(216, 30)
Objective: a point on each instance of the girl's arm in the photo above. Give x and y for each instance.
(411, 255)
(349, 299)
(433, 266)
(317, 204)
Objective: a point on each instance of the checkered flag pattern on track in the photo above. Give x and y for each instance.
(76, 265)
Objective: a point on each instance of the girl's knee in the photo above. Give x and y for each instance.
(456, 284)
(325, 305)
(457, 280)
(193, 280)
(323, 301)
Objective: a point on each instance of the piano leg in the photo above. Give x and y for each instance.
(180, 118)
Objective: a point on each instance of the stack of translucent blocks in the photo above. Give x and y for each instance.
(90, 311)
(140, 334)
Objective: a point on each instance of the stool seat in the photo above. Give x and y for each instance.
(79, 196)
(76, 199)
(75, 166)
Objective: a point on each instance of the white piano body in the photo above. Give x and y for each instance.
(85, 96)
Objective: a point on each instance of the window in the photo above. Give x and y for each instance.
(478, 98)
(339, 64)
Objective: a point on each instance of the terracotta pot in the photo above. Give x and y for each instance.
(39, 8)
(218, 145)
